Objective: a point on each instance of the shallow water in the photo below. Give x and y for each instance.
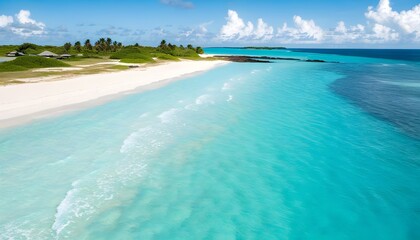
(287, 150)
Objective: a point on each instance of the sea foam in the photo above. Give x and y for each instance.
(204, 99)
(226, 86)
(169, 115)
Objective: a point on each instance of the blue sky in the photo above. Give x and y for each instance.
(298, 23)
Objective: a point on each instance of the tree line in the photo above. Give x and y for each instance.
(167, 47)
(108, 45)
(102, 45)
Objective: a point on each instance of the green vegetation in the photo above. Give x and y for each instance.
(120, 67)
(84, 52)
(105, 47)
(67, 46)
(102, 47)
(84, 66)
(137, 60)
(141, 54)
(29, 62)
(134, 54)
(4, 49)
(181, 51)
(164, 56)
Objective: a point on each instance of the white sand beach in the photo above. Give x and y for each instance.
(22, 102)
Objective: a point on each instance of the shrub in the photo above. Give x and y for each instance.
(28, 62)
(137, 60)
(164, 56)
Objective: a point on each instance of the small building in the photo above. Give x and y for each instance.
(48, 54)
(64, 56)
(14, 54)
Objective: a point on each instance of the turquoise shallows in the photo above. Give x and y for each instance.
(244, 151)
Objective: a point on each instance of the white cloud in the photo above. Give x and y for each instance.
(308, 28)
(342, 33)
(405, 22)
(5, 20)
(195, 35)
(358, 28)
(263, 31)
(357, 34)
(304, 31)
(24, 25)
(236, 29)
(159, 31)
(24, 17)
(384, 33)
(384, 25)
(341, 28)
(202, 30)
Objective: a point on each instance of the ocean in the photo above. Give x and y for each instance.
(280, 150)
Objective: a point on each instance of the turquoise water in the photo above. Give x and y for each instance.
(244, 151)
(5, 59)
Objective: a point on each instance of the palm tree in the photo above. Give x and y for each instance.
(163, 44)
(77, 46)
(108, 44)
(114, 46)
(88, 45)
(199, 50)
(67, 46)
(98, 46)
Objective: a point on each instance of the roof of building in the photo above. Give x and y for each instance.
(47, 54)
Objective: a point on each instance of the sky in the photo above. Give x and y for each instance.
(297, 23)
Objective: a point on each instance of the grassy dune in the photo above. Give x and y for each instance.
(149, 54)
(86, 57)
(28, 62)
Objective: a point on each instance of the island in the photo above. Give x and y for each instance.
(37, 80)
(27, 61)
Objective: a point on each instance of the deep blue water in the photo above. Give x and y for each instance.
(390, 92)
(383, 82)
(397, 54)
(283, 150)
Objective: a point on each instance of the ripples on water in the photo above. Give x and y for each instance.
(246, 151)
(388, 91)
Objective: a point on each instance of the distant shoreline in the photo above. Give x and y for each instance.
(255, 48)
(22, 103)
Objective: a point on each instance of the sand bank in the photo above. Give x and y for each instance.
(22, 102)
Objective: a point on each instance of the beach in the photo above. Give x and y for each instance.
(188, 119)
(21, 103)
(242, 151)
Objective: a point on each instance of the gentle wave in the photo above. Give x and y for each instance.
(144, 140)
(67, 205)
(168, 116)
(23, 229)
(404, 84)
(226, 86)
(204, 99)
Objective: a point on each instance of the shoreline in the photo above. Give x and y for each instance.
(24, 103)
